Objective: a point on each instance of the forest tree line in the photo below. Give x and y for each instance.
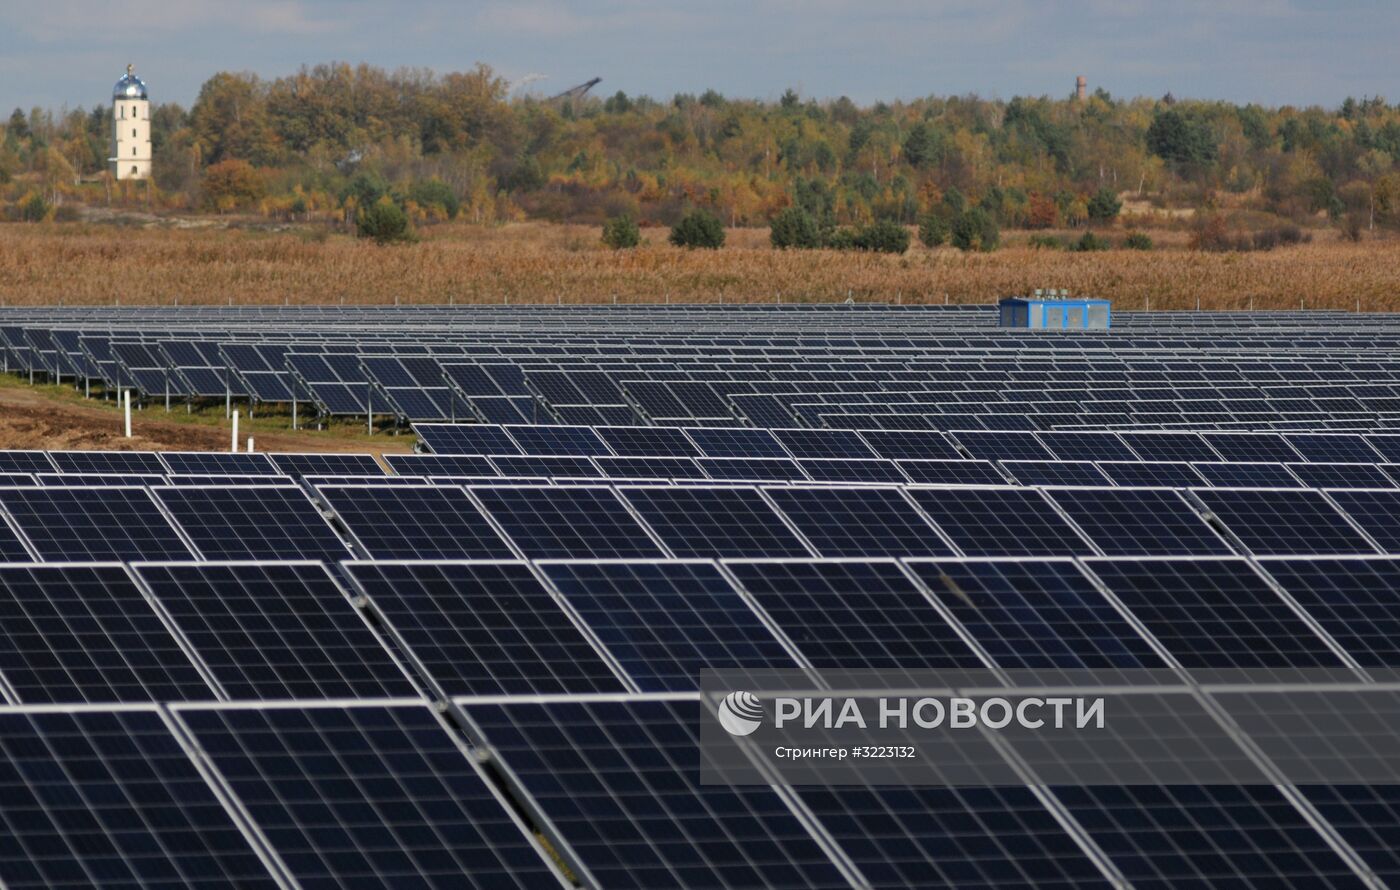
(324, 142)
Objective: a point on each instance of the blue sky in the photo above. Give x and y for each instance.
(68, 52)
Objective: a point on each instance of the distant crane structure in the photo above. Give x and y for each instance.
(573, 94)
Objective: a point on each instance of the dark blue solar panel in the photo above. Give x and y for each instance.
(823, 443)
(1319, 475)
(1000, 445)
(112, 462)
(483, 628)
(465, 438)
(25, 462)
(714, 522)
(568, 523)
(368, 796)
(1247, 475)
(951, 837)
(852, 470)
(952, 472)
(1347, 448)
(1214, 614)
(1251, 447)
(110, 799)
(415, 522)
(1036, 614)
(213, 462)
(1357, 601)
(619, 781)
(93, 524)
(1377, 512)
(1068, 445)
(1000, 522)
(1139, 522)
(326, 464)
(440, 465)
(275, 630)
(764, 469)
(1188, 447)
(1206, 836)
(1284, 523)
(1174, 474)
(647, 441)
(649, 468)
(854, 615)
(1055, 472)
(556, 440)
(910, 445)
(859, 521)
(1368, 818)
(548, 467)
(665, 622)
(87, 634)
(252, 522)
(735, 442)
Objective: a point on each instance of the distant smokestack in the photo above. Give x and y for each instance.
(1081, 88)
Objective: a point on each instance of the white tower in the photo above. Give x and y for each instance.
(131, 129)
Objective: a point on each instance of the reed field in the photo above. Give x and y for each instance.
(86, 263)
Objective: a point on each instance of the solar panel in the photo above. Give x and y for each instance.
(855, 470)
(1366, 817)
(465, 438)
(368, 795)
(1173, 474)
(1247, 475)
(1000, 522)
(1055, 472)
(218, 463)
(1188, 447)
(415, 522)
(951, 837)
(25, 462)
(1377, 512)
(230, 480)
(576, 522)
(86, 480)
(580, 762)
(1334, 448)
(541, 440)
(115, 463)
(714, 522)
(440, 465)
(1214, 613)
(735, 442)
(762, 469)
(1283, 522)
(665, 622)
(93, 524)
(854, 615)
(252, 522)
(1353, 599)
(1036, 614)
(1319, 475)
(483, 628)
(1206, 836)
(952, 472)
(859, 522)
(275, 630)
(1068, 445)
(659, 467)
(326, 464)
(1002, 445)
(109, 798)
(1139, 521)
(549, 467)
(77, 633)
(910, 445)
(823, 443)
(647, 441)
(1251, 447)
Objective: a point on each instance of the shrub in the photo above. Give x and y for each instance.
(975, 230)
(1351, 227)
(1137, 241)
(843, 238)
(794, 228)
(231, 183)
(1290, 234)
(1209, 233)
(1090, 242)
(1104, 205)
(1265, 239)
(67, 213)
(34, 208)
(621, 232)
(933, 229)
(1045, 242)
(435, 193)
(384, 221)
(885, 236)
(698, 229)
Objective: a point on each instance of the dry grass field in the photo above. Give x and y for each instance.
(537, 262)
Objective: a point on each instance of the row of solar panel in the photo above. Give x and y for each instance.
(381, 794)
(167, 632)
(185, 463)
(413, 521)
